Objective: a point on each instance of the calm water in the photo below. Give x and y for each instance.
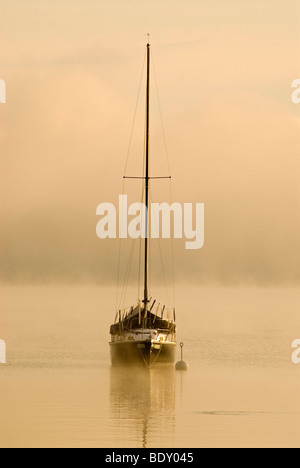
(58, 389)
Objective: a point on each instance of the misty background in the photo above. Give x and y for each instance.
(224, 73)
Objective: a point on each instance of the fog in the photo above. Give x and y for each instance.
(224, 73)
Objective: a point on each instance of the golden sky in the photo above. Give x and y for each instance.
(224, 72)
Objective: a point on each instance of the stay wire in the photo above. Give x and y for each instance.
(125, 169)
(169, 169)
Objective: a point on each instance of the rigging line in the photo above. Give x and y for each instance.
(169, 169)
(125, 169)
(142, 199)
(161, 259)
(140, 253)
(158, 354)
(126, 308)
(172, 254)
(126, 277)
(160, 113)
(135, 112)
(147, 365)
(149, 220)
(150, 252)
(139, 273)
(119, 265)
(119, 254)
(129, 270)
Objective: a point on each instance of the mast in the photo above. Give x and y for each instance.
(147, 178)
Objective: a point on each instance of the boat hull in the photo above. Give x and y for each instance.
(143, 353)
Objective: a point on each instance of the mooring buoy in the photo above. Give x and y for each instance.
(181, 365)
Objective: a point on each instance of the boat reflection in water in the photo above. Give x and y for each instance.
(142, 405)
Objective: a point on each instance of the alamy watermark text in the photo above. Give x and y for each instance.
(2, 92)
(2, 352)
(132, 221)
(296, 93)
(296, 353)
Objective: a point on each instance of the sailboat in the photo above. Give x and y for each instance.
(146, 333)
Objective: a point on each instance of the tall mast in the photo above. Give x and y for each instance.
(147, 177)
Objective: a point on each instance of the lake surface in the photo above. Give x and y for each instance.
(59, 390)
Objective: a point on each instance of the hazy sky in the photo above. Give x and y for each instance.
(224, 72)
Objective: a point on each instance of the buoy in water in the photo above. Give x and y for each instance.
(181, 365)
